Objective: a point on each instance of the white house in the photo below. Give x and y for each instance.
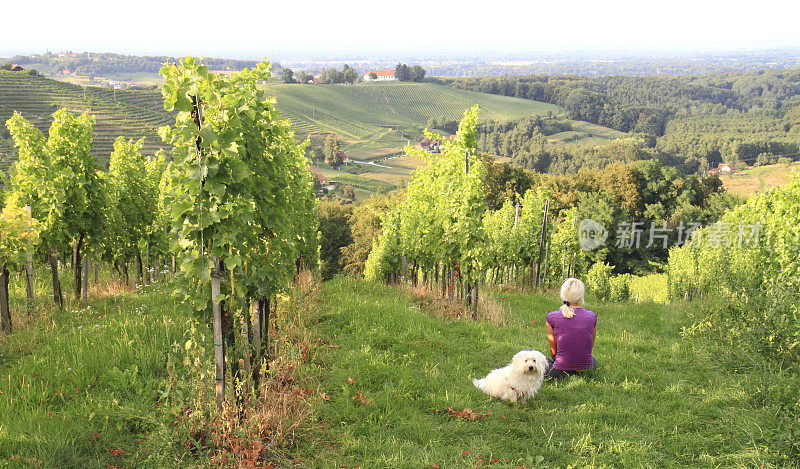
(382, 75)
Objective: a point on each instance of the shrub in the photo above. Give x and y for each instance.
(619, 289)
(598, 280)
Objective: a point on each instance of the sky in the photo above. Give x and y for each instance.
(281, 28)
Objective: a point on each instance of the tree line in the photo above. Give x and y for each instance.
(98, 64)
(645, 104)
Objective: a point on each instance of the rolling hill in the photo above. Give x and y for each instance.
(375, 120)
(378, 119)
(133, 114)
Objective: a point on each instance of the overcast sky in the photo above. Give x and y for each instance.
(238, 29)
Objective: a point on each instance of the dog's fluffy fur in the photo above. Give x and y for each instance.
(518, 380)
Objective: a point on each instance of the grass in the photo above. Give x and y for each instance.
(657, 399)
(83, 387)
(80, 387)
(585, 133)
(368, 185)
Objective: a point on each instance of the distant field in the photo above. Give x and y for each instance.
(585, 133)
(759, 179)
(362, 186)
(375, 120)
(379, 119)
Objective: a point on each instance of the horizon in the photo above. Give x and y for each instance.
(496, 55)
(419, 28)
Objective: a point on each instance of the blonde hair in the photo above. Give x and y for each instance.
(571, 292)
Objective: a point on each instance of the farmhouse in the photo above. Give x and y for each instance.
(725, 168)
(430, 145)
(16, 68)
(722, 168)
(380, 75)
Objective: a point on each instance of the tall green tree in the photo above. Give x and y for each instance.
(335, 234)
(416, 73)
(333, 150)
(287, 76)
(402, 72)
(349, 74)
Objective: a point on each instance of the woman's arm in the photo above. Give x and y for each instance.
(551, 337)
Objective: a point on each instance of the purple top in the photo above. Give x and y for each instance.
(574, 339)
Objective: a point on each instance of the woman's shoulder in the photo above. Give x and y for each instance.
(589, 313)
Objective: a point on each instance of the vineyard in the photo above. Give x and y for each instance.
(167, 309)
(131, 113)
(230, 222)
(443, 230)
(749, 261)
(373, 118)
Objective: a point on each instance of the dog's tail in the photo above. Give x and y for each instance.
(479, 383)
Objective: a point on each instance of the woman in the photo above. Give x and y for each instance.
(571, 331)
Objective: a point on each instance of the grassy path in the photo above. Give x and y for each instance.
(657, 399)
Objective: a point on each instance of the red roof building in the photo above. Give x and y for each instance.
(381, 75)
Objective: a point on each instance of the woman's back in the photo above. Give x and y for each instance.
(574, 339)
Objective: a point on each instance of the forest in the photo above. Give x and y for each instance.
(690, 122)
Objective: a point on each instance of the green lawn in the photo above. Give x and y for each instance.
(656, 400)
(85, 387)
(81, 387)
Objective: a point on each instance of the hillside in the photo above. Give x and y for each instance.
(375, 120)
(134, 113)
(381, 365)
(379, 119)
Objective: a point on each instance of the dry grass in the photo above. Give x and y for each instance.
(431, 301)
(759, 179)
(406, 161)
(273, 420)
(391, 178)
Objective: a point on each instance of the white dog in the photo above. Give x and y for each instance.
(517, 381)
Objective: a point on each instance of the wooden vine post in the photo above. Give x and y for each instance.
(85, 280)
(5, 310)
(468, 295)
(542, 241)
(58, 297)
(29, 274)
(516, 221)
(219, 352)
(216, 274)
